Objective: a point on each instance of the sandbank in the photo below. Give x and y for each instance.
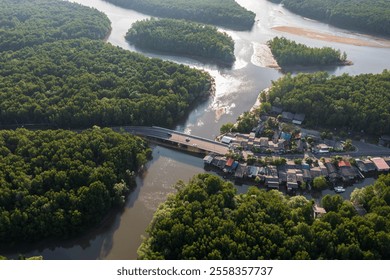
(262, 56)
(373, 42)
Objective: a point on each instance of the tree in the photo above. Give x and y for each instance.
(225, 128)
(114, 86)
(309, 160)
(336, 102)
(28, 23)
(290, 53)
(348, 145)
(265, 107)
(332, 202)
(206, 219)
(320, 183)
(62, 182)
(172, 35)
(298, 161)
(246, 122)
(225, 13)
(363, 15)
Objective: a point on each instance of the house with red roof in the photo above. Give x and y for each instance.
(380, 164)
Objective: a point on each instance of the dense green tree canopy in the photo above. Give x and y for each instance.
(290, 53)
(364, 15)
(79, 83)
(25, 23)
(183, 37)
(319, 183)
(207, 220)
(246, 122)
(56, 183)
(355, 103)
(219, 12)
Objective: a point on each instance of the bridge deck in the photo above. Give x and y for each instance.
(193, 142)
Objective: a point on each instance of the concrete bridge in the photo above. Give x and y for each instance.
(178, 139)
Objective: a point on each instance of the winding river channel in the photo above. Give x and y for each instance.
(236, 91)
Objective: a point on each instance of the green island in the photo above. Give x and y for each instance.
(206, 219)
(21, 257)
(290, 53)
(81, 82)
(225, 13)
(183, 37)
(351, 103)
(26, 23)
(57, 183)
(371, 16)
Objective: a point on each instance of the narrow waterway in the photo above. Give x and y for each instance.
(236, 91)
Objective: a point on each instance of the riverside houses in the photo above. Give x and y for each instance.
(347, 172)
(365, 166)
(293, 176)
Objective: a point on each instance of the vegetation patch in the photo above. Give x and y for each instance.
(218, 12)
(80, 83)
(290, 53)
(364, 15)
(353, 103)
(57, 183)
(206, 219)
(183, 37)
(26, 23)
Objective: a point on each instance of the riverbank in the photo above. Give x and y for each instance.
(308, 33)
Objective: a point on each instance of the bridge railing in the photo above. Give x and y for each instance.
(192, 136)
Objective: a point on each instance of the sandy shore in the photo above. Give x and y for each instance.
(258, 103)
(262, 56)
(374, 42)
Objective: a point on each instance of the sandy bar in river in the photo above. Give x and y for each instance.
(262, 56)
(374, 42)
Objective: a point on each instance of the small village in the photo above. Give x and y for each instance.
(279, 154)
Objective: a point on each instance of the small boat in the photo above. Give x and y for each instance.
(339, 189)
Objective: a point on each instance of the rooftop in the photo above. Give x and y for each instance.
(226, 139)
(208, 159)
(229, 162)
(276, 110)
(344, 163)
(380, 164)
(365, 165)
(288, 116)
(299, 117)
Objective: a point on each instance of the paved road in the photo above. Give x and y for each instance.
(366, 149)
(193, 142)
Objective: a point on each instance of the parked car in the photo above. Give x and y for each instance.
(339, 189)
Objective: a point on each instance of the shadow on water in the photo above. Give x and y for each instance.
(310, 69)
(87, 245)
(206, 62)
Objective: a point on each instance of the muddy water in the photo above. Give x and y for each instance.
(236, 91)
